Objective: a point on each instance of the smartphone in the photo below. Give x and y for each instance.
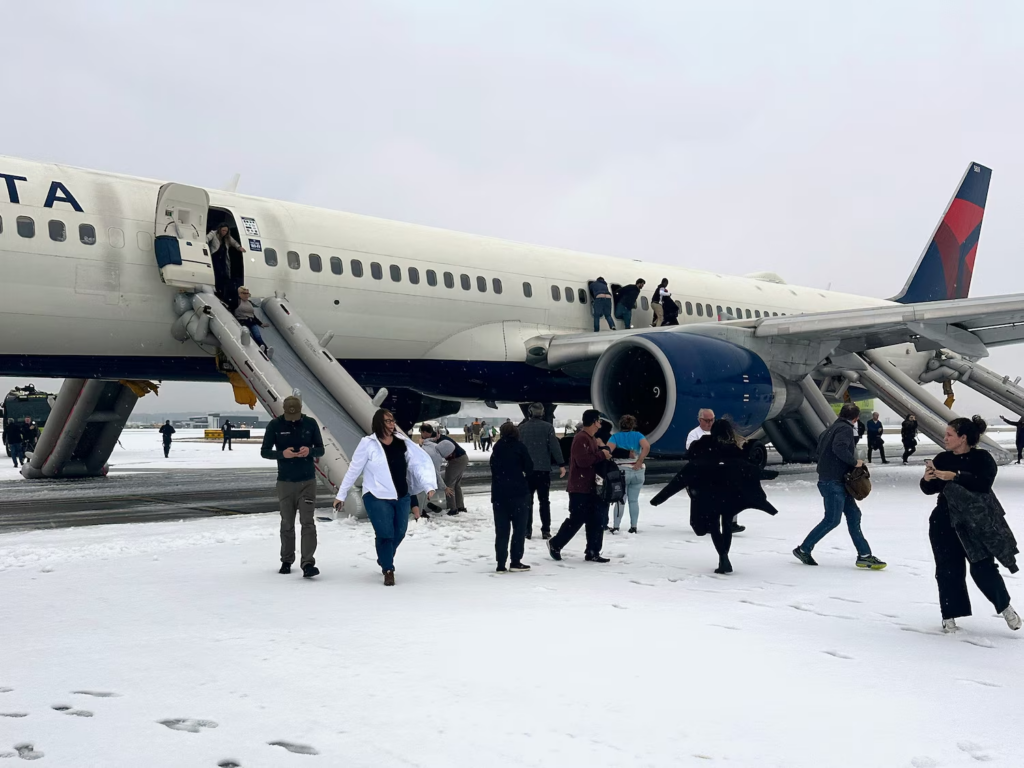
(928, 463)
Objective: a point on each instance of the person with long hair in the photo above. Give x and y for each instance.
(968, 525)
(511, 465)
(628, 439)
(722, 484)
(394, 470)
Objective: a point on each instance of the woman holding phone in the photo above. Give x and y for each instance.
(968, 525)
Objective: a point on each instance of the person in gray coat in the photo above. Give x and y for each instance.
(539, 438)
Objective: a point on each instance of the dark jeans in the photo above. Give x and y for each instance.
(510, 517)
(583, 511)
(540, 483)
(1020, 448)
(254, 331)
(603, 309)
(297, 497)
(167, 448)
(17, 452)
(876, 447)
(951, 571)
(909, 449)
(390, 519)
(227, 440)
(625, 314)
(837, 503)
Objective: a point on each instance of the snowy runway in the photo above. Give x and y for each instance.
(178, 644)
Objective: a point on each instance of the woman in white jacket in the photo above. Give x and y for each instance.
(394, 470)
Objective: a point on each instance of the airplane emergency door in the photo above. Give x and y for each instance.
(180, 236)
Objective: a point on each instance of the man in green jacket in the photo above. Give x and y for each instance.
(294, 441)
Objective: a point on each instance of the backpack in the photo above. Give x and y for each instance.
(609, 482)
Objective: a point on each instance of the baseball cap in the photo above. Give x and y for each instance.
(292, 408)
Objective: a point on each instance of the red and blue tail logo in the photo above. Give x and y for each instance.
(945, 268)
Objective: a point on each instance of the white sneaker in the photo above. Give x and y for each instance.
(1012, 619)
(949, 626)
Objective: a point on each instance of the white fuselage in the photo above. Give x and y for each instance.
(106, 300)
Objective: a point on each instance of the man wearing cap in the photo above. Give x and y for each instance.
(294, 441)
(539, 438)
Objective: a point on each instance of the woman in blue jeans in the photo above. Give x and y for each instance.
(628, 439)
(394, 470)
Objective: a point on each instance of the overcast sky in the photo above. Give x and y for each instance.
(817, 140)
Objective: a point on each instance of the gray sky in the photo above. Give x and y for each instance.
(818, 142)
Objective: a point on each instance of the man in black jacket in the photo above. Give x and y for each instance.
(510, 467)
(626, 302)
(166, 431)
(836, 457)
(539, 438)
(1019, 424)
(908, 433)
(12, 439)
(294, 441)
(226, 430)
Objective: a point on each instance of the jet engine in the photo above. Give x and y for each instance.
(663, 379)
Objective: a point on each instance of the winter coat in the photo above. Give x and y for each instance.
(599, 288)
(213, 238)
(721, 483)
(835, 451)
(908, 432)
(875, 431)
(167, 430)
(584, 455)
(12, 433)
(510, 464)
(370, 461)
(281, 434)
(980, 522)
(628, 296)
(539, 438)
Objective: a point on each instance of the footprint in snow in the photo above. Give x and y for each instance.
(920, 631)
(620, 607)
(27, 752)
(97, 694)
(846, 600)
(974, 750)
(67, 710)
(981, 642)
(298, 749)
(187, 724)
(838, 655)
(5, 690)
(13, 714)
(985, 683)
(725, 626)
(923, 762)
(229, 764)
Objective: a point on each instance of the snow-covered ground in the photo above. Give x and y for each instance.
(178, 644)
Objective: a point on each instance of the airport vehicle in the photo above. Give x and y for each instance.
(26, 401)
(110, 277)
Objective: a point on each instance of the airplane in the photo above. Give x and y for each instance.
(95, 265)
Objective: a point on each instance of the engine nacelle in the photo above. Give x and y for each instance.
(665, 378)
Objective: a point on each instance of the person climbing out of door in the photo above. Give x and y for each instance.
(221, 242)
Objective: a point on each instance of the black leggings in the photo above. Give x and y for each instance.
(721, 535)
(909, 448)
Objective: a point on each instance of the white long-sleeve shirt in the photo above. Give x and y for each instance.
(371, 462)
(695, 434)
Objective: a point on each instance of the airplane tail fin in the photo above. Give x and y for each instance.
(945, 268)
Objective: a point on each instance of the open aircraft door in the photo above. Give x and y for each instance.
(180, 236)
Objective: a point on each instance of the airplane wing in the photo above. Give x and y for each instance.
(965, 326)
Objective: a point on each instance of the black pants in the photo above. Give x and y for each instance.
(876, 447)
(510, 516)
(540, 483)
(721, 535)
(1020, 448)
(951, 571)
(227, 440)
(909, 448)
(583, 511)
(167, 448)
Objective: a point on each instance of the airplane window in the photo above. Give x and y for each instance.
(294, 260)
(316, 263)
(527, 290)
(481, 284)
(357, 267)
(583, 296)
(689, 308)
(145, 241)
(700, 310)
(414, 276)
(269, 256)
(376, 271)
(679, 306)
(464, 279)
(728, 310)
(337, 267)
(569, 295)
(644, 304)
(58, 232)
(431, 278)
(449, 280)
(707, 310)
(757, 313)
(116, 237)
(26, 226)
(396, 273)
(1, 225)
(718, 311)
(496, 284)
(748, 314)
(556, 294)
(775, 314)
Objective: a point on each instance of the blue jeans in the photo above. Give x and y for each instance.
(17, 452)
(837, 503)
(625, 314)
(390, 520)
(254, 331)
(634, 482)
(603, 308)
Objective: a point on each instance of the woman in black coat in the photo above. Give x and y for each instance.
(722, 483)
(510, 497)
(968, 525)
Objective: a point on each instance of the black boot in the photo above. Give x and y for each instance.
(309, 571)
(285, 568)
(724, 566)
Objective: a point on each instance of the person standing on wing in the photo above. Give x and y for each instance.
(583, 502)
(539, 438)
(602, 303)
(659, 293)
(968, 525)
(835, 458)
(166, 431)
(627, 302)
(394, 470)
(1019, 424)
(908, 434)
(294, 441)
(875, 441)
